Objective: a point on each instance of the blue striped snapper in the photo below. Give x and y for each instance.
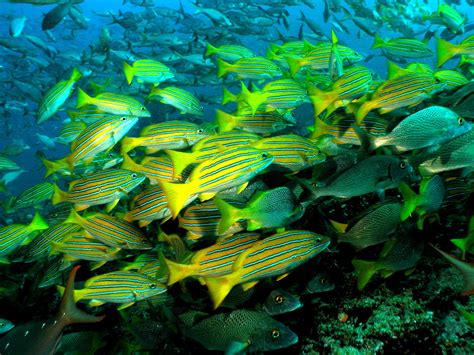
(147, 71)
(290, 152)
(202, 221)
(148, 206)
(100, 136)
(14, 235)
(110, 230)
(165, 135)
(156, 169)
(117, 104)
(180, 99)
(122, 287)
(215, 260)
(34, 196)
(103, 187)
(56, 97)
(275, 255)
(41, 246)
(232, 167)
(208, 147)
(82, 246)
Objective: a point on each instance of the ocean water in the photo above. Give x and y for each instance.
(417, 309)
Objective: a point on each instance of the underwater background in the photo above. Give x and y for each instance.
(236, 176)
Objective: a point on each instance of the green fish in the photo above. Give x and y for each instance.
(399, 254)
(428, 127)
(376, 226)
(179, 98)
(428, 201)
(266, 210)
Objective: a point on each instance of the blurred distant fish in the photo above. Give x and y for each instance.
(55, 16)
(17, 25)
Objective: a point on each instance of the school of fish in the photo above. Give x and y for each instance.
(202, 170)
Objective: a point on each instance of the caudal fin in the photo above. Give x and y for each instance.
(444, 51)
(230, 215)
(129, 73)
(365, 270)
(225, 121)
(223, 68)
(409, 201)
(219, 288)
(68, 312)
(177, 195)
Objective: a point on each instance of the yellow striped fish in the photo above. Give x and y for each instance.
(229, 52)
(319, 57)
(82, 246)
(202, 221)
(275, 255)
(147, 71)
(258, 68)
(56, 97)
(214, 261)
(148, 206)
(71, 131)
(34, 196)
(403, 91)
(113, 103)
(122, 287)
(100, 136)
(232, 167)
(290, 152)
(261, 122)
(165, 135)
(7, 164)
(103, 187)
(208, 147)
(111, 230)
(102, 160)
(180, 99)
(154, 168)
(14, 235)
(40, 247)
(353, 83)
(451, 78)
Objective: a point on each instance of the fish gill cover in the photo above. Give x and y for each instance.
(236, 176)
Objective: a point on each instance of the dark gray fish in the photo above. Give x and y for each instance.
(318, 284)
(375, 174)
(242, 330)
(55, 16)
(280, 301)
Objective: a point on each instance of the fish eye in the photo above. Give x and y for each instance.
(123, 118)
(111, 155)
(2, 324)
(402, 165)
(134, 175)
(143, 109)
(275, 333)
(153, 286)
(460, 121)
(323, 280)
(200, 130)
(437, 80)
(318, 240)
(279, 299)
(264, 155)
